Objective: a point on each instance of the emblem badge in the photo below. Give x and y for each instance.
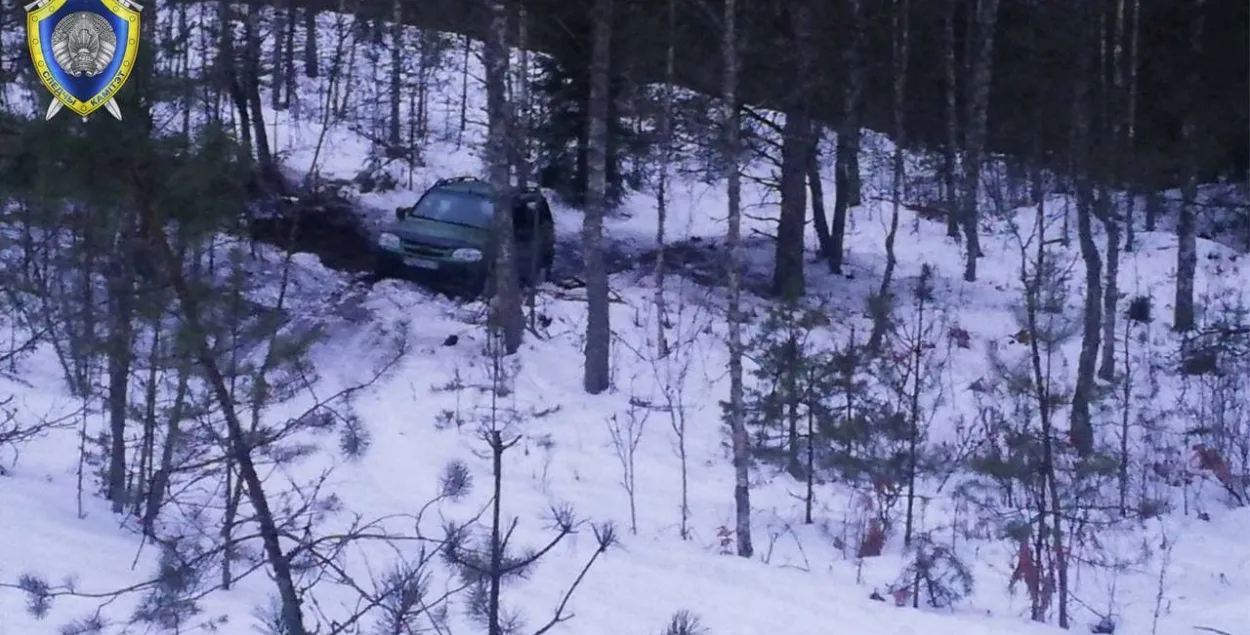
(83, 51)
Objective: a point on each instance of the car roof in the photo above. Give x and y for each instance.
(474, 185)
(481, 188)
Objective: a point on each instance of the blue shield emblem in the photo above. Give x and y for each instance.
(83, 51)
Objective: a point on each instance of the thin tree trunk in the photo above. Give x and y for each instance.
(173, 437)
(1111, 218)
(841, 204)
(796, 150)
(147, 445)
(1131, 141)
(1154, 207)
(509, 314)
(395, 121)
(597, 376)
(913, 406)
(288, 56)
(788, 283)
(120, 358)
(311, 62)
(661, 196)
(733, 242)
(464, 90)
(497, 448)
(817, 187)
(950, 153)
(1042, 395)
(280, 19)
(1187, 253)
(228, 69)
(1111, 288)
(846, 163)
(189, 87)
(1130, 217)
(809, 495)
(251, 91)
(1082, 432)
(524, 171)
(883, 301)
(978, 116)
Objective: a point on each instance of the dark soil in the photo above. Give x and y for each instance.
(326, 226)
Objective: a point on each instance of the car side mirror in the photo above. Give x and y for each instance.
(400, 213)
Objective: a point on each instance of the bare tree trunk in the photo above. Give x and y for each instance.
(841, 205)
(796, 151)
(521, 160)
(395, 121)
(173, 434)
(1042, 395)
(1082, 432)
(189, 87)
(147, 442)
(464, 91)
(1187, 253)
(1131, 141)
(311, 62)
(814, 183)
(788, 282)
(598, 372)
(733, 242)
(288, 57)
(4, 77)
(883, 301)
(1111, 290)
(978, 115)
(228, 74)
(846, 163)
(497, 566)
(661, 196)
(509, 314)
(1111, 218)
(120, 358)
(950, 153)
(1154, 207)
(250, 87)
(280, 19)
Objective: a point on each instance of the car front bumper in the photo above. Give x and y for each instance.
(433, 272)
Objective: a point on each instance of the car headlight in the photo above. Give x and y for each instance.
(388, 241)
(467, 255)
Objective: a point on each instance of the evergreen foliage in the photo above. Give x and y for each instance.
(563, 85)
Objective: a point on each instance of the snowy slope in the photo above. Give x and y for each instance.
(801, 581)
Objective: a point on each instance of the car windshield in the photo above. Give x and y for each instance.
(459, 208)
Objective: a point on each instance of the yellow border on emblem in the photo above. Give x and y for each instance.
(83, 108)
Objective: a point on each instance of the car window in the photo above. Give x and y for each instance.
(460, 208)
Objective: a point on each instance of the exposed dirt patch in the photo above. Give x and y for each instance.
(322, 223)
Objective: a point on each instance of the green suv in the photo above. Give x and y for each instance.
(447, 237)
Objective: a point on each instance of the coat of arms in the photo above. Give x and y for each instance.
(83, 51)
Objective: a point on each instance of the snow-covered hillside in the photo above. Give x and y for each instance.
(1166, 575)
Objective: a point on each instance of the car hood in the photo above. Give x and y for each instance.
(439, 234)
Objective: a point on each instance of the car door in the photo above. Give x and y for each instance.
(526, 233)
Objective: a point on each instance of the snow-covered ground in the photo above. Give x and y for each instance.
(804, 579)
